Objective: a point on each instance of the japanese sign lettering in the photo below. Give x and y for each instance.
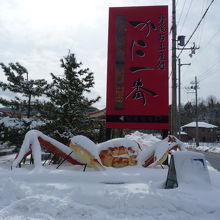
(137, 78)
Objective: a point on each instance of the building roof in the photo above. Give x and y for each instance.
(182, 133)
(200, 125)
(99, 113)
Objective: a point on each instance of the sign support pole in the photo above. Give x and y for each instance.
(174, 86)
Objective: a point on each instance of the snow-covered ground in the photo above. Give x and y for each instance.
(205, 147)
(125, 193)
(116, 193)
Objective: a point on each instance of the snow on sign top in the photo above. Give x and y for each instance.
(200, 124)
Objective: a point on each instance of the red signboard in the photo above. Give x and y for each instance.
(137, 80)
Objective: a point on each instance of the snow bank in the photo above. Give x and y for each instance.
(213, 148)
(129, 193)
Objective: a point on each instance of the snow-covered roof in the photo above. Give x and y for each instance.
(200, 124)
(182, 133)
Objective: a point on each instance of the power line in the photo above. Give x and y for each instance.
(209, 72)
(212, 67)
(181, 12)
(202, 25)
(196, 28)
(211, 38)
(210, 41)
(186, 16)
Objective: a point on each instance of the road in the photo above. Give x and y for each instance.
(213, 159)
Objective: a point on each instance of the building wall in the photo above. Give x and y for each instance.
(205, 134)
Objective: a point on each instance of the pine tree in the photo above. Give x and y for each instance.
(68, 102)
(208, 111)
(25, 98)
(26, 91)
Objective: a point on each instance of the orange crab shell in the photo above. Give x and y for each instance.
(112, 157)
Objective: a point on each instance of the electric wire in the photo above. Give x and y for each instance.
(186, 16)
(211, 38)
(181, 13)
(209, 43)
(212, 67)
(195, 28)
(214, 35)
(200, 32)
(206, 74)
(209, 72)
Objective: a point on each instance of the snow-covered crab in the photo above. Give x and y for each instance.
(119, 152)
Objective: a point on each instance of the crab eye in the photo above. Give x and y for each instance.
(141, 43)
(140, 53)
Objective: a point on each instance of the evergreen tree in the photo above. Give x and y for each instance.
(208, 111)
(25, 90)
(25, 98)
(202, 111)
(187, 113)
(68, 104)
(213, 110)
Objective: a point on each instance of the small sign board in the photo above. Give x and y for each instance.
(187, 168)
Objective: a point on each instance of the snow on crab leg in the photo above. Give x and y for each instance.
(30, 142)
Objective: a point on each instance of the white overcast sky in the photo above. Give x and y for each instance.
(37, 33)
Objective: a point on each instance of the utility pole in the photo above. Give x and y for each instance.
(197, 129)
(195, 87)
(179, 93)
(173, 107)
